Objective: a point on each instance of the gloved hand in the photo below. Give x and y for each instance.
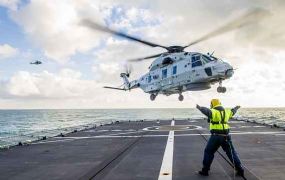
(197, 106)
(237, 107)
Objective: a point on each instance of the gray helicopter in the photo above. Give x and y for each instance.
(37, 62)
(176, 71)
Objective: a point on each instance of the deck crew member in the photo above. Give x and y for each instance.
(218, 117)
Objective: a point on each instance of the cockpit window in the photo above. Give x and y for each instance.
(196, 61)
(195, 58)
(206, 59)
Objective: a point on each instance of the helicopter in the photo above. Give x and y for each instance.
(37, 62)
(176, 71)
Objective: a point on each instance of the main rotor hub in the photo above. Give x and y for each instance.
(175, 49)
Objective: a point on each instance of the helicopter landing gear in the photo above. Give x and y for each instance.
(221, 89)
(152, 97)
(180, 97)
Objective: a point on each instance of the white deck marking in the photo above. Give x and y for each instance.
(167, 161)
(62, 139)
(132, 132)
(279, 134)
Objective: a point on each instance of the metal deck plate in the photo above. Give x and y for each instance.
(139, 150)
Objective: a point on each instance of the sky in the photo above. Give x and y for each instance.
(78, 62)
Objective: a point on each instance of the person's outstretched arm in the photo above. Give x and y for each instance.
(235, 109)
(206, 111)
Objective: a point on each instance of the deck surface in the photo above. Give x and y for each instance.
(146, 150)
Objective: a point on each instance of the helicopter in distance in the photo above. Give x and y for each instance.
(37, 62)
(176, 71)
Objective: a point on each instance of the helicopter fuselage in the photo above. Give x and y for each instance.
(184, 71)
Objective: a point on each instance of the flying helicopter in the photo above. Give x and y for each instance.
(37, 62)
(176, 71)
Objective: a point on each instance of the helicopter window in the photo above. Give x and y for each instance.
(195, 58)
(164, 73)
(156, 76)
(174, 70)
(206, 59)
(149, 79)
(167, 61)
(196, 61)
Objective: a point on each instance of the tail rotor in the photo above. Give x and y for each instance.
(128, 69)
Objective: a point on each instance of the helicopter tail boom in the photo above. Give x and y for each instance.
(127, 84)
(109, 87)
(125, 79)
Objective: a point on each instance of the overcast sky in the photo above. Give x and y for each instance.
(77, 62)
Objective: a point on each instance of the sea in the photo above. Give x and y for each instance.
(30, 125)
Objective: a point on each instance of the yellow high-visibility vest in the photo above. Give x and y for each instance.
(220, 119)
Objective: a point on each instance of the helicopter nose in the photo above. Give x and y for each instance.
(229, 71)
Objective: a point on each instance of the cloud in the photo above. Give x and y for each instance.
(11, 4)
(54, 26)
(65, 89)
(109, 68)
(66, 84)
(7, 51)
(258, 84)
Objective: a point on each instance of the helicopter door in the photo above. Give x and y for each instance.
(197, 67)
(165, 78)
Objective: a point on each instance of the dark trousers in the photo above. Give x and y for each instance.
(213, 145)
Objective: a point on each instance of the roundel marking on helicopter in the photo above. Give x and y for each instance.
(173, 128)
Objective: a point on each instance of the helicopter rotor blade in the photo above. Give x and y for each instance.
(93, 25)
(145, 58)
(246, 19)
(128, 68)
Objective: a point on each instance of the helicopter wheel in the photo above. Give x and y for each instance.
(221, 89)
(180, 97)
(152, 97)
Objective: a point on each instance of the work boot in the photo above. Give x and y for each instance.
(240, 173)
(203, 173)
